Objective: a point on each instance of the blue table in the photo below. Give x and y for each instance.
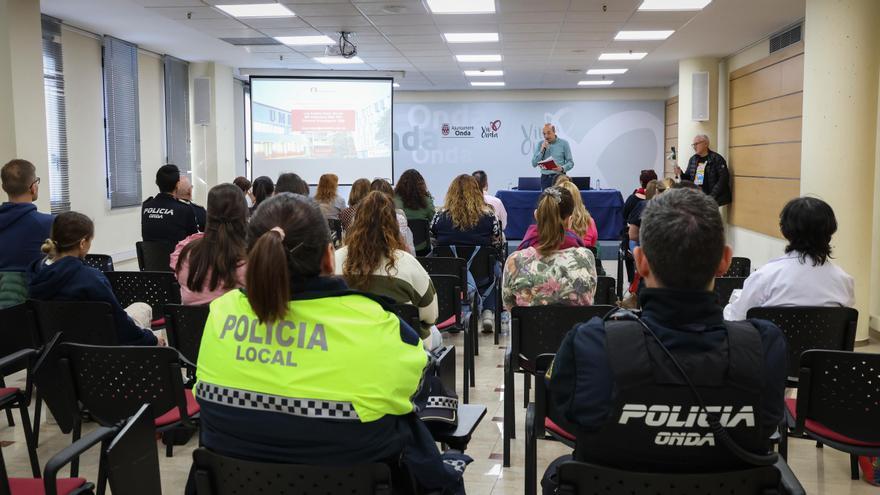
(605, 205)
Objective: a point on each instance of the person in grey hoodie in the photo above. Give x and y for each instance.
(22, 228)
(62, 276)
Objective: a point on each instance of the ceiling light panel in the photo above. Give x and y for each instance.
(643, 35)
(603, 82)
(338, 60)
(479, 58)
(471, 37)
(623, 56)
(605, 72)
(487, 83)
(305, 40)
(248, 10)
(461, 6)
(484, 73)
(674, 4)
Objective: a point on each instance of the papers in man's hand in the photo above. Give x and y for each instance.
(549, 164)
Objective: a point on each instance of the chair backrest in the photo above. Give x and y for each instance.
(529, 184)
(809, 327)
(132, 459)
(449, 289)
(13, 288)
(113, 382)
(421, 231)
(154, 256)
(724, 287)
(537, 330)
(18, 331)
(408, 313)
(335, 226)
(436, 265)
(83, 322)
(580, 478)
(606, 293)
(154, 288)
(482, 267)
(103, 262)
(739, 267)
(839, 389)
(220, 475)
(184, 326)
(446, 367)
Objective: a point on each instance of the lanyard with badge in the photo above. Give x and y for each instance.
(701, 173)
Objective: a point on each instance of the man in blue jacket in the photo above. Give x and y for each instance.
(22, 228)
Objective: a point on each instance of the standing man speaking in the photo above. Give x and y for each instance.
(556, 148)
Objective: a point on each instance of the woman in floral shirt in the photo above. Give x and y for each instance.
(543, 274)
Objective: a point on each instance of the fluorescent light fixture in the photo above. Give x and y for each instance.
(305, 40)
(478, 58)
(471, 37)
(643, 35)
(395, 85)
(338, 60)
(623, 56)
(461, 6)
(605, 72)
(484, 73)
(487, 83)
(256, 10)
(603, 82)
(674, 4)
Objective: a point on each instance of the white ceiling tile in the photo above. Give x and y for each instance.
(611, 6)
(347, 21)
(530, 28)
(187, 13)
(408, 30)
(206, 24)
(324, 9)
(532, 17)
(170, 3)
(514, 36)
(268, 49)
(402, 20)
(605, 36)
(507, 6)
(456, 19)
(524, 45)
(307, 31)
(618, 17)
(391, 8)
(280, 23)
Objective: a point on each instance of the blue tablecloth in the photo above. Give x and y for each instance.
(605, 205)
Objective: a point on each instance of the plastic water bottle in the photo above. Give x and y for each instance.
(598, 184)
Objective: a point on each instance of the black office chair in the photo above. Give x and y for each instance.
(534, 331)
(724, 287)
(216, 474)
(335, 226)
(154, 256)
(421, 230)
(103, 262)
(449, 295)
(605, 291)
(154, 288)
(184, 326)
(481, 261)
(739, 267)
(807, 327)
(408, 313)
(18, 353)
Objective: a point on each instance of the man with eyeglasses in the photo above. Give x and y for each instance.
(708, 171)
(22, 228)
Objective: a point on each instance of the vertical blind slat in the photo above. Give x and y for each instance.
(177, 112)
(122, 123)
(56, 116)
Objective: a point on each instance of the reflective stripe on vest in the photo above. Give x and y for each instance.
(335, 349)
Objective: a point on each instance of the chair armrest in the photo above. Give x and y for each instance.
(74, 450)
(789, 482)
(16, 357)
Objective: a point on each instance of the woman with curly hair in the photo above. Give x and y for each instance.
(374, 260)
(466, 220)
(411, 195)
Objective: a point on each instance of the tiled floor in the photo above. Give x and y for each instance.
(820, 470)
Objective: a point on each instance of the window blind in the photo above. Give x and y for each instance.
(56, 116)
(121, 123)
(177, 141)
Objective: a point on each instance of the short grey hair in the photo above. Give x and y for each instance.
(551, 126)
(704, 137)
(682, 235)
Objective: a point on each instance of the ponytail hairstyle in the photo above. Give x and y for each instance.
(654, 188)
(371, 238)
(263, 188)
(580, 218)
(223, 248)
(554, 207)
(68, 229)
(287, 239)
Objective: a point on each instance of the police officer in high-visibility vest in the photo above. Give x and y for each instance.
(631, 407)
(299, 369)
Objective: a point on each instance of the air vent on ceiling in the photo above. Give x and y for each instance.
(782, 40)
(251, 41)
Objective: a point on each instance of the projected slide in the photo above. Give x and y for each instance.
(317, 126)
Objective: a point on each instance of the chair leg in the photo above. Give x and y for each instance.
(819, 445)
(168, 437)
(466, 364)
(509, 425)
(29, 439)
(783, 440)
(531, 454)
(854, 466)
(77, 430)
(9, 418)
(101, 487)
(38, 409)
(476, 336)
(527, 385)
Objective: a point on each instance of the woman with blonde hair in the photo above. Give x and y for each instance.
(546, 272)
(374, 260)
(330, 202)
(466, 220)
(582, 222)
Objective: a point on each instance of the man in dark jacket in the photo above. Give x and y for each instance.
(22, 228)
(682, 250)
(164, 218)
(708, 170)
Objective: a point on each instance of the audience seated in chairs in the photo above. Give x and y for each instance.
(357, 365)
(263, 189)
(582, 223)
(805, 276)
(209, 264)
(164, 217)
(549, 272)
(359, 189)
(328, 197)
(495, 203)
(22, 228)
(62, 276)
(606, 376)
(384, 187)
(411, 195)
(374, 260)
(466, 220)
(246, 188)
(184, 192)
(292, 183)
(637, 197)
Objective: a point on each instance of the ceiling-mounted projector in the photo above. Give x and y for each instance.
(346, 46)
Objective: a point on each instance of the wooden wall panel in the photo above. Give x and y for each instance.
(757, 202)
(766, 108)
(671, 135)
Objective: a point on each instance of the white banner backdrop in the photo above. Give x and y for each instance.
(611, 141)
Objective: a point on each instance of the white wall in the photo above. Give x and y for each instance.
(531, 95)
(116, 231)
